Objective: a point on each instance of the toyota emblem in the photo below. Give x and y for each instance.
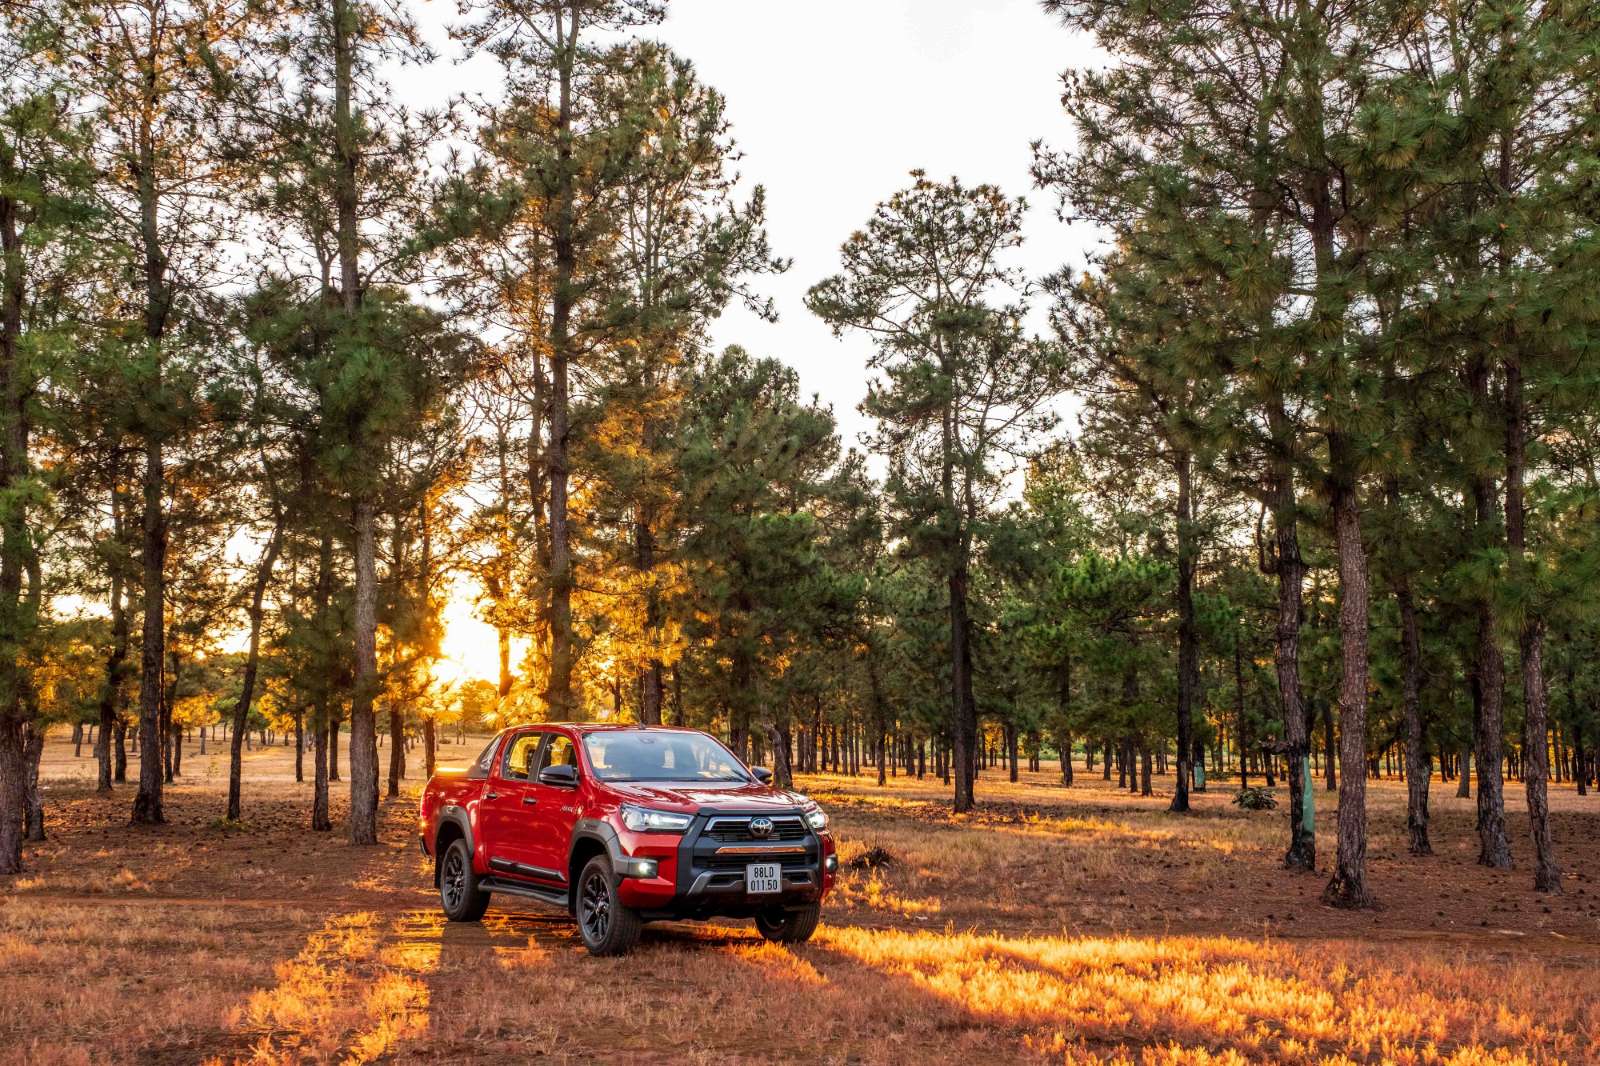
(761, 827)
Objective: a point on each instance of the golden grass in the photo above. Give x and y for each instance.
(1051, 926)
(1254, 1000)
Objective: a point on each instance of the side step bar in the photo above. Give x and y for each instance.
(553, 896)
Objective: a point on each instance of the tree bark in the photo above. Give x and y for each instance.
(1188, 638)
(1488, 680)
(252, 662)
(559, 693)
(363, 819)
(116, 657)
(429, 746)
(1419, 762)
(397, 757)
(1348, 888)
(320, 821)
(16, 702)
(1535, 693)
(33, 749)
(147, 804)
(1289, 569)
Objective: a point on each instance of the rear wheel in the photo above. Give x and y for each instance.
(789, 926)
(462, 899)
(607, 927)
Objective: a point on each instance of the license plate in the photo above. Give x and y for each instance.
(763, 877)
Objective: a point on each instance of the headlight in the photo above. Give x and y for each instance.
(817, 818)
(645, 820)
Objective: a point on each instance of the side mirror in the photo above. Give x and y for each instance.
(762, 774)
(559, 776)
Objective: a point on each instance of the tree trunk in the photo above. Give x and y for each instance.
(17, 609)
(147, 806)
(320, 821)
(252, 662)
(33, 749)
(13, 791)
(1289, 569)
(1419, 763)
(363, 822)
(1348, 888)
(397, 758)
(333, 746)
(559, 695)
(429, 747)
(1330, 753)
(964, 705)
(111, 690)
(1011, 750)
(1188, 638)
(1488, 680)
(1535, 694)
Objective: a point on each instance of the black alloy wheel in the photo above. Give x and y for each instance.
(607, 925)
(459, 894)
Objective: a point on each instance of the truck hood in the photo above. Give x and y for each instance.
(690, 796)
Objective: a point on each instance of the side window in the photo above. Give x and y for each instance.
(559, 752)
(519, 756)
(484, 762)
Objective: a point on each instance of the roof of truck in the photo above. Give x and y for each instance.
(600, 727)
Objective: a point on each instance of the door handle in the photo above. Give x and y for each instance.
(491, 795)
(529, 801)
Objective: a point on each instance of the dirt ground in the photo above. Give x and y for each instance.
(1051, 925)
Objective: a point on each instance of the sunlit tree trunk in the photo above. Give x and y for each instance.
(559, 693)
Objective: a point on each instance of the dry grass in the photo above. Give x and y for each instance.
(1048, 926)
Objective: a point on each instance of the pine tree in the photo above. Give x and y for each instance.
(570, 158)
(45, 217)
(962, 385)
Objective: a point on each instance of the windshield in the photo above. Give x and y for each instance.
(630, 756)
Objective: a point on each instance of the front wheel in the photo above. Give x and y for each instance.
(790, 926)
(462, 899)
(607, 927)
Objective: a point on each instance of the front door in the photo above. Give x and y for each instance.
(557, 806)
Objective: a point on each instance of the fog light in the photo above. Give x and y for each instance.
(831, 863)
(638, 868)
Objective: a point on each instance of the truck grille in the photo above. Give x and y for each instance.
(736, 830)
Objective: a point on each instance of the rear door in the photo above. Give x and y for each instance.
(509, 806)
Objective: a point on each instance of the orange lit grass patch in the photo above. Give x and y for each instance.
(1223, 1000)
(351, 995)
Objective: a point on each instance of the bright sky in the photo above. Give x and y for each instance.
(833, 103)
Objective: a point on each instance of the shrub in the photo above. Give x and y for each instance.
(1255, 799)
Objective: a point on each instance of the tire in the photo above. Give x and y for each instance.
(606, 926)
(459, 894)
(790, 927)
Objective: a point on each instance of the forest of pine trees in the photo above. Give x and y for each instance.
(1295, 482)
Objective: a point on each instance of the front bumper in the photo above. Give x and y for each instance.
(702, 874)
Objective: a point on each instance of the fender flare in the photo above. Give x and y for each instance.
(599, 831)
(457, 816)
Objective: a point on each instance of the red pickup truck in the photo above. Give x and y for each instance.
(621, 825)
